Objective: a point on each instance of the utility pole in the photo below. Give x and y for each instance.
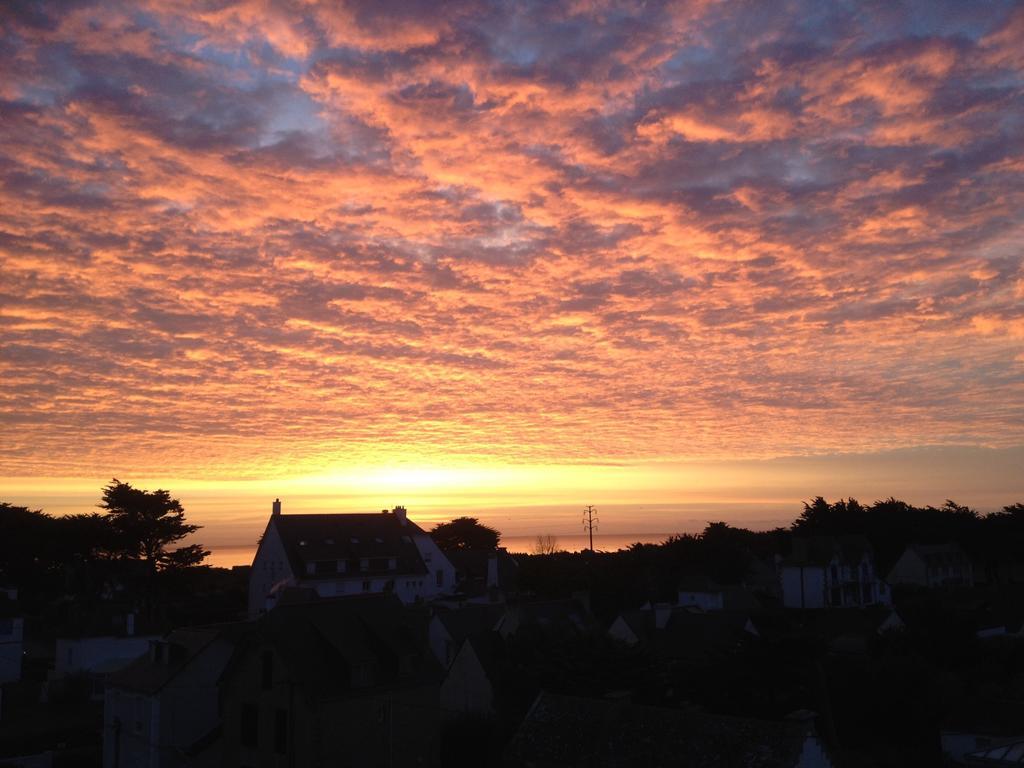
(590, 521)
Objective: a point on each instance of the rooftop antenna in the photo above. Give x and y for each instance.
(590, 521)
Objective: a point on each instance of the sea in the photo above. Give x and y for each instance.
(230, 555)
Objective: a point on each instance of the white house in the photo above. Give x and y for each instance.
(347, 554)
(831, 572)
(468, 687)
(163, 710)
(933, 565)
(12, 636)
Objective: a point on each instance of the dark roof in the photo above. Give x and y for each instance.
(566, 616)
(469, 620)
(939, 555)
(181, 646)
(349, 537)
(490, 652)
(820, 550)
(323, 642)
(571, 731)
(471, 569)
(696, 636)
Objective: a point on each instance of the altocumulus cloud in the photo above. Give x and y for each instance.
(531, 232)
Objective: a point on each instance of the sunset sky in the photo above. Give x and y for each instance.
(684, 260)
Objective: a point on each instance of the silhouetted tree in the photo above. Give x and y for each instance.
(147, 522)
(465, 533)
(545, 545)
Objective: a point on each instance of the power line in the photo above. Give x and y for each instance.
(590, 522)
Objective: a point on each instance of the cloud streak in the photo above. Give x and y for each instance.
(260, 237)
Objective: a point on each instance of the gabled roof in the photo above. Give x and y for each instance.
(469, 620)
(939, 555)
(349, 537)
(569, 731)
(147, 675)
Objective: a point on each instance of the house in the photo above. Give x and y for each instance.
(348, 681)
(831, 572)
(683, 634)
(709, 596)
(933, 565)
(162, 710)
(473, 677)
(12, 636)
(98, 653)
(483, 575)
(571, 731)
(346, 554)
(97, 657)
(562, 618)
(449, 628)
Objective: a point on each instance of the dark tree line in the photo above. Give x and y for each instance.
(46, 552)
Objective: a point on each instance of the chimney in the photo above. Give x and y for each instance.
(400, 513)
(275, 509)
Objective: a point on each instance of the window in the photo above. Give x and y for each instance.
(268, 670)
(364, 564)
(426, 556)
(440, 578)
(367, 585)
(281, 731)
(250, 725)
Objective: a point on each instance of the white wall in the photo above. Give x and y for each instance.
(813, 755)
(155, 728)
(270, 569)
(11, 648)
(466, 687)
(813, 594)
(435, 561)
(104, 654)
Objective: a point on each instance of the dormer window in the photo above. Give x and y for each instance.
(379, 540)
(328, 541)
(355, 540)
(302, 542)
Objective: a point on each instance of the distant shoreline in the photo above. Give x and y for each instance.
(229, 555)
